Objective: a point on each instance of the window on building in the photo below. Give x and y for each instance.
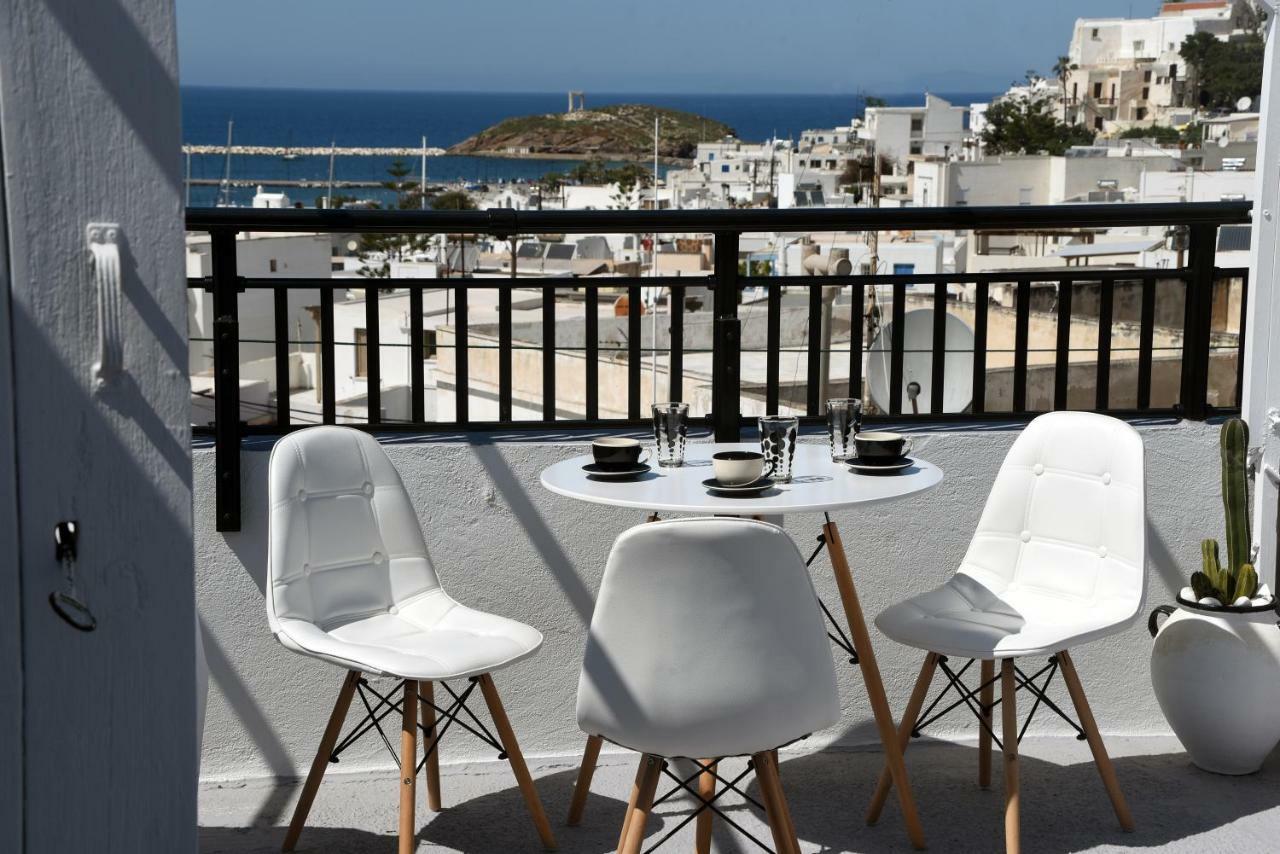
(724, 168)
(711, 155)
(1094, 34)
(1024, 195)
(904, 269)
(271, 265)
(1097, 122)
(917, 124)
(1146, 93)
(1075, 90)
(1173, 71)
(1146, 76)
(916, 148)
(1097, 90)
(1138, 47)
(362, 352)
(1140, 114)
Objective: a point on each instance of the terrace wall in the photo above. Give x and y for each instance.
(504, 544)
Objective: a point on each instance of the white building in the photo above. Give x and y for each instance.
(1130, 72)
(935, 129)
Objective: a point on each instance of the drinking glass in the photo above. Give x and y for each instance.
(670, 429)
(844, 419)
(778, 444)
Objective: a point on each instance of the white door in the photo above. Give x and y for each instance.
(102, 722)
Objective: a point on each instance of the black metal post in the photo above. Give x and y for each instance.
(1199, 317)
(726, 354)
(226, 372)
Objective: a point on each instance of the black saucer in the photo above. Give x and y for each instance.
(610, 473)
(884, 466)
(753, 488)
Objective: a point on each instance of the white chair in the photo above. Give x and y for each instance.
(349, 581)
(1059, 559)
(706, 643)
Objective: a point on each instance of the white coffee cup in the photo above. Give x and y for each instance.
(737, 468)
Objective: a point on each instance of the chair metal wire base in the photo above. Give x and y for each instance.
(723, 787)
(388, 704)
(971, 699)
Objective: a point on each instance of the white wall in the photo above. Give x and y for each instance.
(503, 543)
(89, 114)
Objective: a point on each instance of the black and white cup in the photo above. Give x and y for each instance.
(738, 468)
(618, 453)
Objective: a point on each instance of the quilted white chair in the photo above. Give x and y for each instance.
(1058, 560)
(706, 641)
(349, 581)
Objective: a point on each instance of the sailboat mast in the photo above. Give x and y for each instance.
(226, 172)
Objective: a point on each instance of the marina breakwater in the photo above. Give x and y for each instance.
(313, 151)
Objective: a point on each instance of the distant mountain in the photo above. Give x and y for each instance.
(616, 131)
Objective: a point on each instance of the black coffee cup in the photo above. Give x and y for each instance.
(880, 445)
(617, 452)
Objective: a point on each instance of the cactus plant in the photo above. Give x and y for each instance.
(1237, 578)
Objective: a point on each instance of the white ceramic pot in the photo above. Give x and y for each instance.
(1216, 673)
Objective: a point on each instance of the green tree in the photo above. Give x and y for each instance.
(1062, 70)
(1029, 125)
(873, 101)
(1223, 72)
(377, 251)
(452, 200)
(1162, 134)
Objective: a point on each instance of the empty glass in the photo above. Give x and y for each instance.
(670, 429)
(844, 419)
(778, 444)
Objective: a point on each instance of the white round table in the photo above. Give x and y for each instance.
(818, 485)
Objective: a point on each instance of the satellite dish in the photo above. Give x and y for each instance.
(353, 245)
(1244, 104)
(1224, 141)
(917, 364)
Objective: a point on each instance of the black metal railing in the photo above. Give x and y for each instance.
(1186, 293)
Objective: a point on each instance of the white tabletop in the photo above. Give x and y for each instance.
(818, 484)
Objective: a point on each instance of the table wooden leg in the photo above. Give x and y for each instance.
(904, 733)
(871, 678)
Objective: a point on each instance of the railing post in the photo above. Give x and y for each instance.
(1202, 246)
(726, 342)
(226, 373)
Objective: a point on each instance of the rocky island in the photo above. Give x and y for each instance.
(613, 132)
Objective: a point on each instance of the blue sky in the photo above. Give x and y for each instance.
(815, 46)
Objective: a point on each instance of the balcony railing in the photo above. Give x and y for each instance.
(1133, 307)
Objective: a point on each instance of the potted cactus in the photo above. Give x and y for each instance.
(1215, 665)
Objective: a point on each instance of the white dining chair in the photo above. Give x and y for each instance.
(707, 642)
(1058, 560)
(350, 582)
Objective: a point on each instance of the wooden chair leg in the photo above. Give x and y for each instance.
(986, 701)
(638, 810)
(923, 681)
(508, 737)
(1009, 737)
(1100, 757)
(321, 762)
(706, 790)
(861, 638)
(428, 715)
(775, 803)
(582, 788)
(408, 767)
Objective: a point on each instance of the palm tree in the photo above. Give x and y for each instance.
(1061, 69)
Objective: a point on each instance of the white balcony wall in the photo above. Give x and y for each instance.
(504, 544)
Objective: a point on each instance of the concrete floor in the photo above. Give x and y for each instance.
(1177, 807)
